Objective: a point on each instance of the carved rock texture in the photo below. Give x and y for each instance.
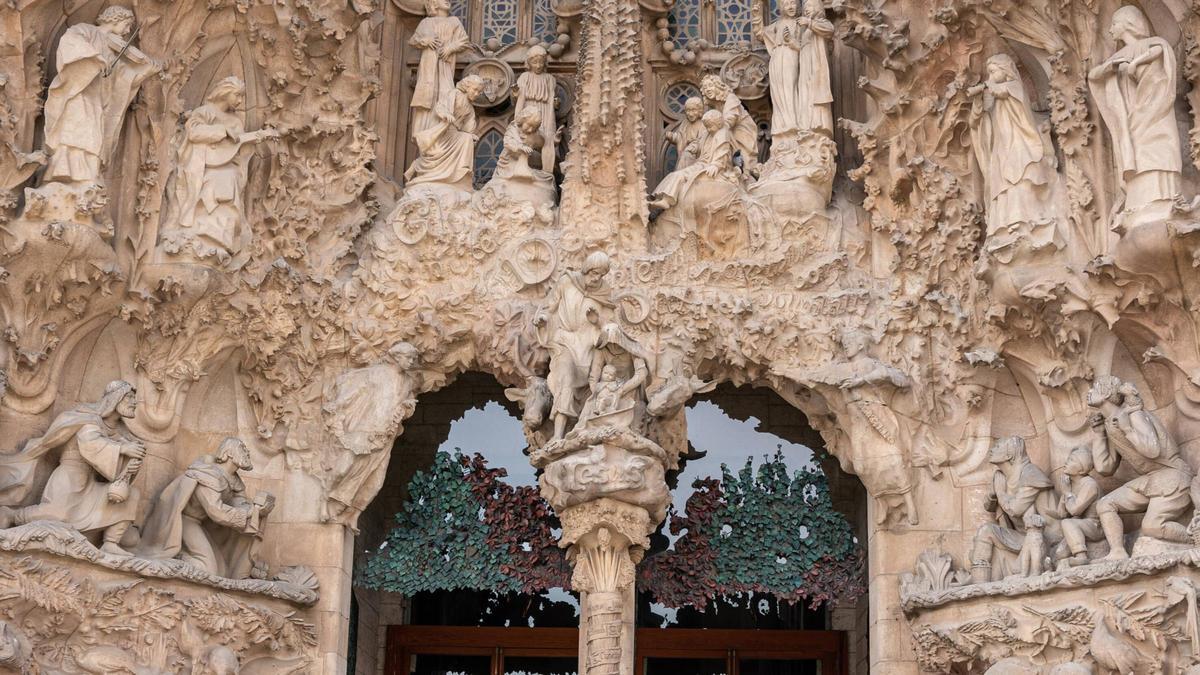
(887, 277)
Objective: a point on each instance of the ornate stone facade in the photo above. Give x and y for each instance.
(960, 237)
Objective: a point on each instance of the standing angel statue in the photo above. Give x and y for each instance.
(1135, 92)
(99, 73)
(208, 213)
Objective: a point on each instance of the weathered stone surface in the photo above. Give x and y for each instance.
(206, 203)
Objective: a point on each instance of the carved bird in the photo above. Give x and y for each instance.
(1113, 651)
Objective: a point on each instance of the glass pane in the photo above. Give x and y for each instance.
(540, 665)
(779, 667)
(449, 664)
(678, 94)
(500, 21)
(733, 21)
(487, 153)
(684, 20)
(545, 23)
(664, 666)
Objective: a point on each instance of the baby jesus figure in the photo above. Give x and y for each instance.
(607, 395)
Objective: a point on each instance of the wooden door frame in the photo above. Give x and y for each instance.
(828, 647)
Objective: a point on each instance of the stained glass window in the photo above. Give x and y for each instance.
(774, 7)
(461, 9)
(544, 21)
(678, 94)
(733, 21)
(684, 20)
(487, 152)
(670, 158)
(500, 21)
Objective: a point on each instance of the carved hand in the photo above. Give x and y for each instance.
(134, 449)
(1034, 520)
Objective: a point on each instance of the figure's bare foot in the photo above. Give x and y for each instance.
(113, 549)
(1116, 555)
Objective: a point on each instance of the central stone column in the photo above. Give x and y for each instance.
(607, 538)
(604, 186)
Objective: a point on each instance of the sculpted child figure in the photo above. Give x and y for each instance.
(607, 392)
(688, 133)
(440, 37)
(715, 162)
(536, 91)
(1078, 493)
(743, 132)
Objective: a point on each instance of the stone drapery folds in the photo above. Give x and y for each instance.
(998, 221)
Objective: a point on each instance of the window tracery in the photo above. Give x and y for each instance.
(545, 23)
(733, 22)
(684, 20)
(487, 153)
(500, 22)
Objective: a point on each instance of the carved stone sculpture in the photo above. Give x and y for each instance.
(714, 162)
(447, 146)
(365, 409)
(89, 488)
(1124, 432)
(99, 73)
(617, 379)
(1080, 521)
(205, 518)
(441, 38)
(207, 218)
(1134, 90)
(1017, 167)
(1022, 500)
(875, 432)
(569, 326)
(514, 176)
(537, 90)
(688, 134)
(799, 69)
(742, 129)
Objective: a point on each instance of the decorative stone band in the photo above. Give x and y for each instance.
(583, 439)
(631, 522)
(296, 585)
(1077, 577)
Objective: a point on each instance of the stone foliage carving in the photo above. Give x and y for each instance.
(62, 621)
(973, 315)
